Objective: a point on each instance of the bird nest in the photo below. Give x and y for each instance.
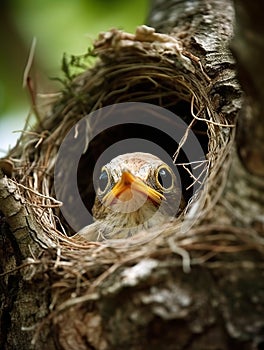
(149, 68)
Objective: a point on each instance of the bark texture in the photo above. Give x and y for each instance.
(248, 47)
(212, 298)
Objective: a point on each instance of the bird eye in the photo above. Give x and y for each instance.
(103, 180)
(164, 178)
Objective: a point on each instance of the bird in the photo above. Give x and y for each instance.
(134, 192)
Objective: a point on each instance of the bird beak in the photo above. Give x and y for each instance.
(126, 186)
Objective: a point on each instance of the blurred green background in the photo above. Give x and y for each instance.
(59, 26)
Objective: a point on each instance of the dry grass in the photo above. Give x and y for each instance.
(125, 64)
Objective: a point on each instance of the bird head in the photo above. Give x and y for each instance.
(134, 186)
(135, 192)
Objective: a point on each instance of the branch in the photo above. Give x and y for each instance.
(19, 217)
(205, 28)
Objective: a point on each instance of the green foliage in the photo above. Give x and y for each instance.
(59, 26)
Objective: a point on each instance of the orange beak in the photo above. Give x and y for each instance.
(127, 186)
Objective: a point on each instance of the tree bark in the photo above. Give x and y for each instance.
(199, 290)
(248, 47)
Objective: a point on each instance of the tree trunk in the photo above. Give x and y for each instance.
(198, 286)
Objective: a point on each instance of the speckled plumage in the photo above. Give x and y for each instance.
(134, 199)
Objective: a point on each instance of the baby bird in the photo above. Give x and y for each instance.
(135, 192)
